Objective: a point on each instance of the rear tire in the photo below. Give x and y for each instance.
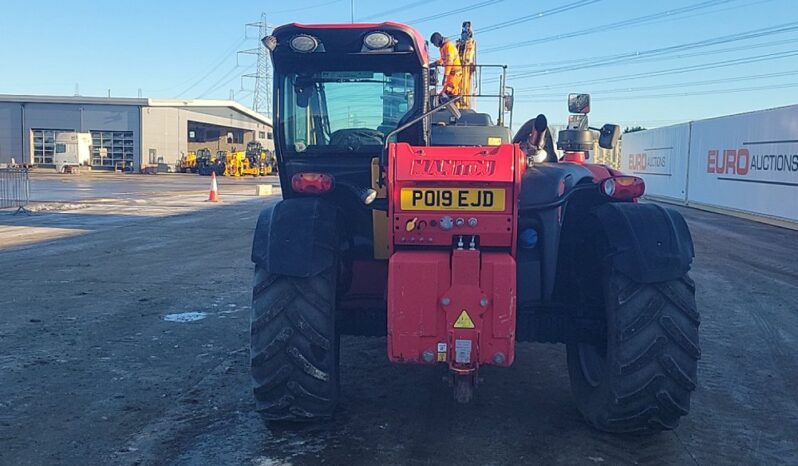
(294, 346)
(640, 381)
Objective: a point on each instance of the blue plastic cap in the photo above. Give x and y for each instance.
(528, 238)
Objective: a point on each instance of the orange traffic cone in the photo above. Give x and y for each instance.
(214, 194)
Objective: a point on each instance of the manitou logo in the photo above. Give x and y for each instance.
(453, 167)
(730, 162)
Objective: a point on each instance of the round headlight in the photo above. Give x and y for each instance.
(304, 44)
(377, 40)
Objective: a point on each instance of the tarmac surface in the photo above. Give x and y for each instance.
(124, 326)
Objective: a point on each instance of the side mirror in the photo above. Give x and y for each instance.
(509, 102)
(608, 136)
(579, 103)
(270, 42)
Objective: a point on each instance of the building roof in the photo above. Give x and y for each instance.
(141, 102)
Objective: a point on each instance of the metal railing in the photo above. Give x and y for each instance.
(496, 76)
(14, 189)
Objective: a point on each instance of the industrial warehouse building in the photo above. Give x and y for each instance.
(126, 133)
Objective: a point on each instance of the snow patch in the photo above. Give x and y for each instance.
(185, 317)
(54, 206)
(264, 461)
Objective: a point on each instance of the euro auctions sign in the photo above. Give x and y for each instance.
(659, 156)
(747, 162)
(761, 166)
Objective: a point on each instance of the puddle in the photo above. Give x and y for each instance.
(185, 316)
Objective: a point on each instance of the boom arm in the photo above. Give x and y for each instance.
(467, 47)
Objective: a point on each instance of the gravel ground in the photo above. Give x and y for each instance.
(124, 333)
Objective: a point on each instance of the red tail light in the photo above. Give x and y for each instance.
(312, 183)
(624, 188)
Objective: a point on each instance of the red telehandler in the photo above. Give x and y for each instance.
(426, 222)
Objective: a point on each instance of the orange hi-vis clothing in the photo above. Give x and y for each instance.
(453, 70)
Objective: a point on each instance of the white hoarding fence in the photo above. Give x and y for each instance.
(660, 157)
(746, 162)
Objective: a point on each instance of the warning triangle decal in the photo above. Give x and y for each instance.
(464, 321)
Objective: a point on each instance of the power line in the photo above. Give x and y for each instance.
(456, 11)
(305, 8)
(220, 82)
(538, 15)
(213, 68)
(679, 70)
(394, 10)
(686, 94)
(662, 58)
(707, 82)
(637, 56)
(671, 14)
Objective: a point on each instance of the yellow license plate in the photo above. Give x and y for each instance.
(452, 199)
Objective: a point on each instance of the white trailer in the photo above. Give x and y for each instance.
(72, 150)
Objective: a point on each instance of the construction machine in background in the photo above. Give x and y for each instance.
(239, 163)
(187, 163)
(208, 163)
(261, 158)
(428, 223)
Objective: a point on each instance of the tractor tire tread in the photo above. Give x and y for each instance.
(294, 361)
(653, 357)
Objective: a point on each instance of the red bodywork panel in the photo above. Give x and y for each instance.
(449, 301)
(419, 321)
(494, 167)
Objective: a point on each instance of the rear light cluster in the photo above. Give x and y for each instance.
(312, 183)
(623, 188)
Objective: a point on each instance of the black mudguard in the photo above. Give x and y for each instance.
(544, 184)
(297, 237)
(649, 242)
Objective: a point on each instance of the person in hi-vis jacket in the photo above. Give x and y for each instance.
(450, 59)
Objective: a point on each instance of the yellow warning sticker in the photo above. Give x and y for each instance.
(441, 357)
(464, 321)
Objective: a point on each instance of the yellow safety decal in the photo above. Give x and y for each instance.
(441, 357)
(464, 321)
(494, 141)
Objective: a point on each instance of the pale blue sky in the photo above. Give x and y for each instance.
(689, 66)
